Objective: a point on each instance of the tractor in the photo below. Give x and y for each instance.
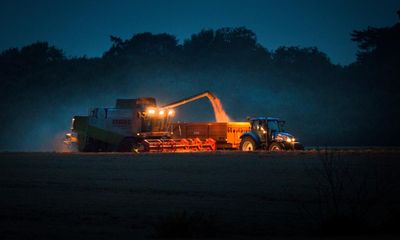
(267, 133)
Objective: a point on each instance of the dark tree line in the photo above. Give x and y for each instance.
(324, 103)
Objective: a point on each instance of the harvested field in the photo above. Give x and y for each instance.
(205, 195)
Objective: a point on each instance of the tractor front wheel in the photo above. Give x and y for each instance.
(276, 147)
(247, 144)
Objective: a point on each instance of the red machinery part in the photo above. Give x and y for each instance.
(179, 145)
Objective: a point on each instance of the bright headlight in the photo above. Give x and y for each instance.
(288, 139)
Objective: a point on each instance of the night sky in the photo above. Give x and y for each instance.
(83, 27)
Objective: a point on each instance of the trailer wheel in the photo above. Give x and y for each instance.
(247, 144)
(276, 147)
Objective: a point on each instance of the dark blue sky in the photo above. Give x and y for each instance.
(83, 27)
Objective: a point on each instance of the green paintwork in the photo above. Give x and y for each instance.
(86, 131)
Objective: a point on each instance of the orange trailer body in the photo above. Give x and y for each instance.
(226, 134)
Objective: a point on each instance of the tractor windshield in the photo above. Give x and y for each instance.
(275, 125)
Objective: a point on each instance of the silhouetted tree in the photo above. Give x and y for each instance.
(143, 45)
(378, 70)
(226, 46)
(379, 54)
(378, 45)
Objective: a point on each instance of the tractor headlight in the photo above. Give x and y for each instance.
(289, 139)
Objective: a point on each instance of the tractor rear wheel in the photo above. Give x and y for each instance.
(247, 144)
(276, 147)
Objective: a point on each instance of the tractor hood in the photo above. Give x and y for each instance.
(282, 136)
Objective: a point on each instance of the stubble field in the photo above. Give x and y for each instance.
(204, 195)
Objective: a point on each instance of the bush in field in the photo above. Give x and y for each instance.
(349, 201)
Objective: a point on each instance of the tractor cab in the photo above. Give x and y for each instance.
(268, 133)
(265, 128)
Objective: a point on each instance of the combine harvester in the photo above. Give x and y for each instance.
(140, 125)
